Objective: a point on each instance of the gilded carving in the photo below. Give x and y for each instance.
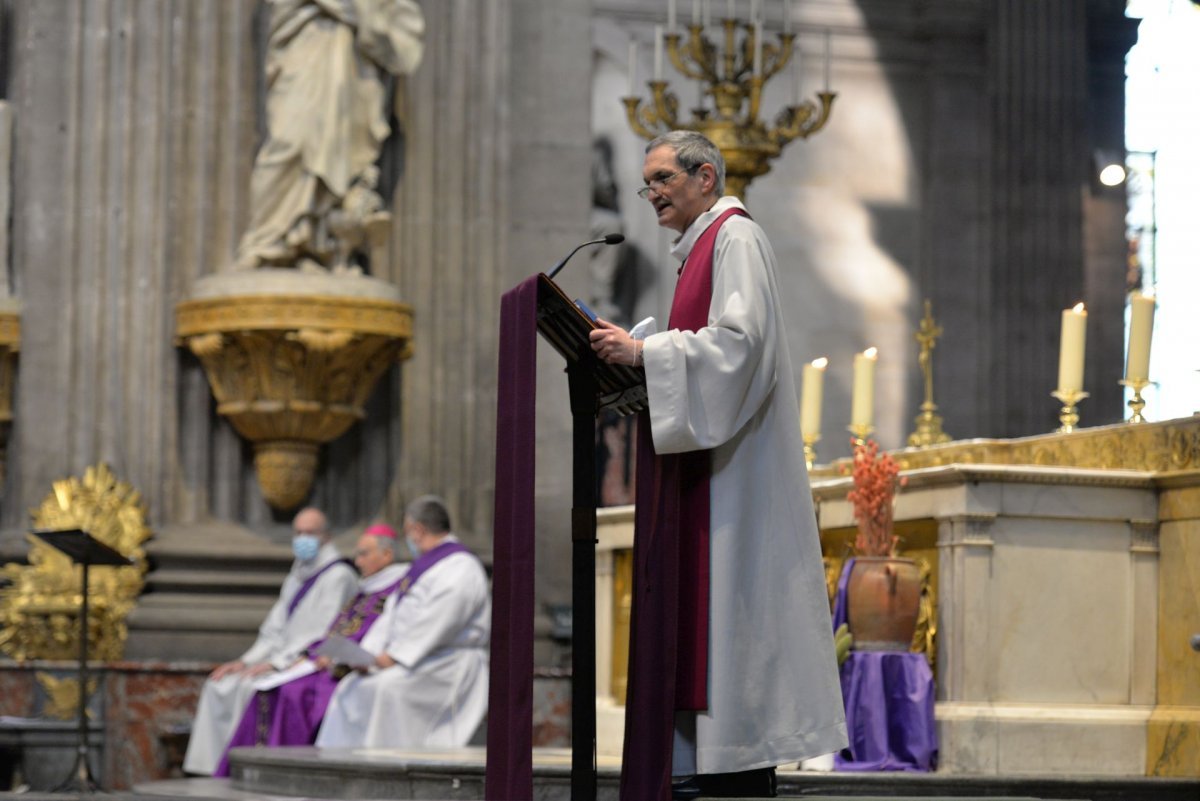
(1149, 447)
(292, 372)
(62, 696)
(39, 610)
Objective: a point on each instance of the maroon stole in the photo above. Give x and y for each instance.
(668, 648)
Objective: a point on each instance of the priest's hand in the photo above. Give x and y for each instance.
(236, 666)
(259, 669)
(612, 344)
(384, 661)
(323, 662)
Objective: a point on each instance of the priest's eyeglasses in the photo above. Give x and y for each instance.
(657, 184)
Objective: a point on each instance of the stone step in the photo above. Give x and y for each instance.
(314, 773)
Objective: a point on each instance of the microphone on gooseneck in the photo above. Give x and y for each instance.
(609, 239)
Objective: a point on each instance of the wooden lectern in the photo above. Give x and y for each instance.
(85, 551)
(594, 387)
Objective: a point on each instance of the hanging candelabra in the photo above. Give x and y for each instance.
(731, 68)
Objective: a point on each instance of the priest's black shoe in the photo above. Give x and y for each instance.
(758, 783)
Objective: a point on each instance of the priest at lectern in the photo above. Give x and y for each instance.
(730, 608)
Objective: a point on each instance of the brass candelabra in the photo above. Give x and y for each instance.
(810, 449)
(1137, 402)
(1068, 417)
(860, 433)
(733, 76)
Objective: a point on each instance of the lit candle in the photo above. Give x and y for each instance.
(1071, 348)
(862, 401)
(671, 16)
(632, 68)
(1141, 327)
(758, 46)
(828, 56)
(810, 398)
(658, 52)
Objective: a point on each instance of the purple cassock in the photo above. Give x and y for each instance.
(291, 714)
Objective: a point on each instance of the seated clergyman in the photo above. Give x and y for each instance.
(318, 585)
(428, 687)
(287, 708)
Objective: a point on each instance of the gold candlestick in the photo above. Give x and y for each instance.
(810, 450)
(929, 422)
(860, 432)
(1069, 415)
(1136, 403)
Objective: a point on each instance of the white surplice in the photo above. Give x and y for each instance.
(281, 640)
(435, 696)
(773, 689)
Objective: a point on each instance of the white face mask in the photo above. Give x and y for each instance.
(306, 546)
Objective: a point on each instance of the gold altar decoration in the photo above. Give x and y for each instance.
(929, 422)
(39, 611)
(727, 75)
(1068, 417)
(293, 371)
(10, 344)
(1161, 447)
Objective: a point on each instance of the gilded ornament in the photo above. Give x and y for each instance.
(39, 610)
(291, 372)
(62, 695)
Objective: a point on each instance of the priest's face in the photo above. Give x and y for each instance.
(373, 554)
(679, 196)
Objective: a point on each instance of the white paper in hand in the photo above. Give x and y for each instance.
(345, 652)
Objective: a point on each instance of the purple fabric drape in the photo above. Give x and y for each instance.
(889, 699)
(510, 692)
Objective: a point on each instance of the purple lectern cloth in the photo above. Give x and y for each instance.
(889, 699)
(510, 692)
(841, 610)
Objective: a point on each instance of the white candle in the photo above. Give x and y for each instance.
(671, 16)
(755, 10)
(696, 20)
(758, 47)
(658, 52)
(810, 397)
(828, 56)
(1141, 328)
(729, 9)
(1071, 349)
(787, 16)
(862, 401)
(707, 13)
(632, 68)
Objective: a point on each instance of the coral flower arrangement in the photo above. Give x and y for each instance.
(875, 482)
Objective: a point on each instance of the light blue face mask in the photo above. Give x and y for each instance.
(412, 547)
(306, 546)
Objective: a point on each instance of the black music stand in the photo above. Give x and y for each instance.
(594, 387)
(85, 550)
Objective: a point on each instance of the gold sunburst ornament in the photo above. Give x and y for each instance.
(39, 611)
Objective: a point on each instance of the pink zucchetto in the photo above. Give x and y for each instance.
(382, 530)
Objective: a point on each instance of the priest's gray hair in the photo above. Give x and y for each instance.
(430, 511)
(691, 150)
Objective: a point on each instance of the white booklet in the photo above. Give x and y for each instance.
(272, 680)
(345, 652)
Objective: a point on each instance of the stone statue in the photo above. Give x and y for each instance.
(313, 192)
